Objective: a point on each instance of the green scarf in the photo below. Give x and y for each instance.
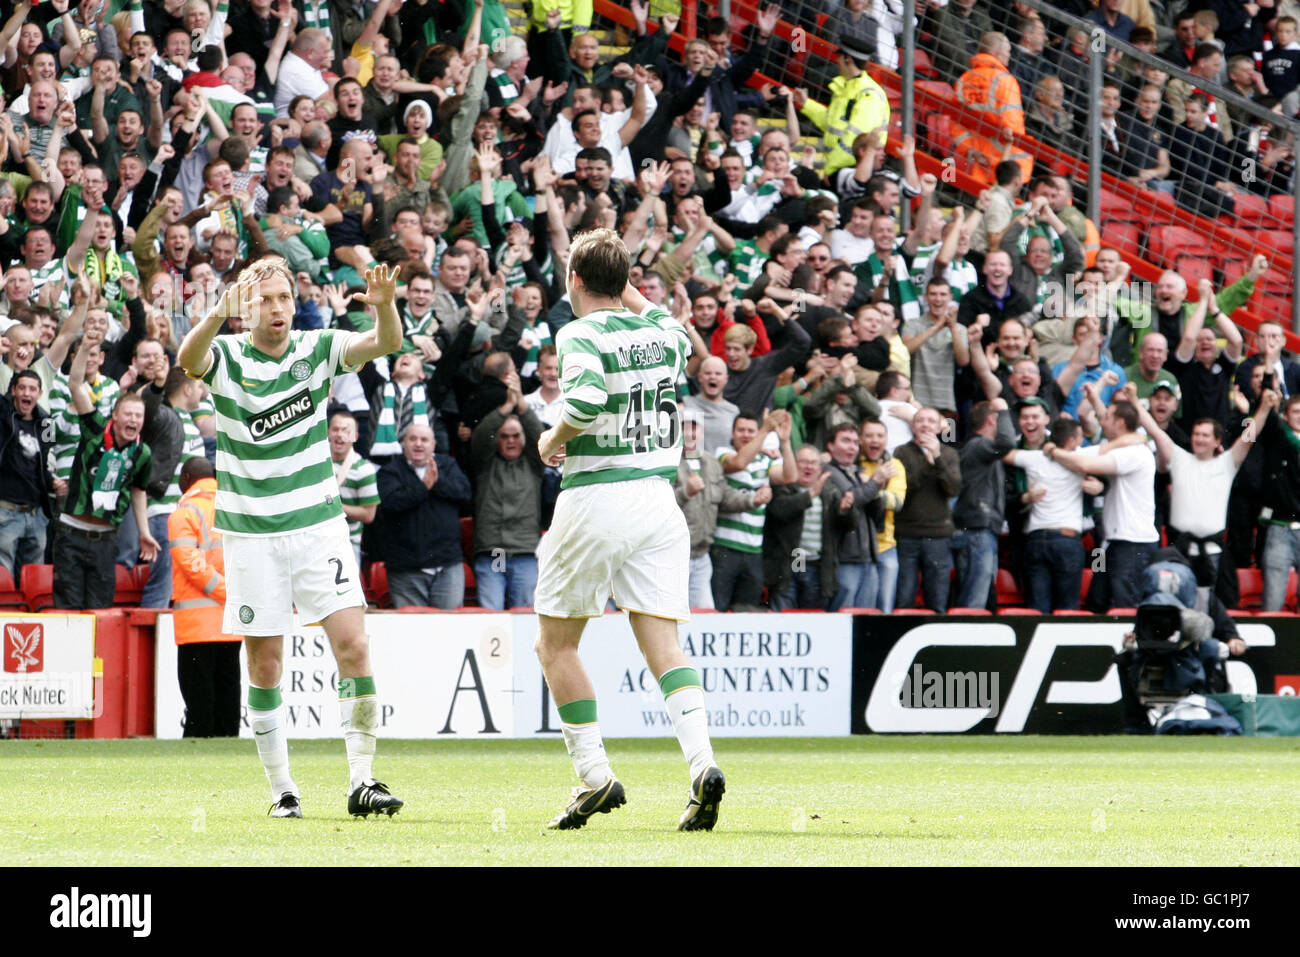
(901, 291)
(111, 476)
(387, 439)
(1058, 248)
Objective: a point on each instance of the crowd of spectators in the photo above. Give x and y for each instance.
(873, 417)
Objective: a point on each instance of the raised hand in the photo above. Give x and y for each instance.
(553, 92)
(381, 286)
(767, 19)
(489, 160)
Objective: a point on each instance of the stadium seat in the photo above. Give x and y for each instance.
(969, 611)
(126, 590)
(1084, 584)
(521, 610)
(376, 586)
(938, 88)
(1274, 306)
(940, 133)
(923, 65)
(37, 584)
(467, 538)
(1166, 243)
(1124, 236)
(1250, 588)
(912, 611)
(1282, 209)
(1018, 611)
(1231, 243)
(1119, 208)
(1123, 612)
(1251, 208)
(1194, 268)
(1275, 239)
(471, 590)
(860, 611)
(1008, 591)
(10, 595)
(1233, 269)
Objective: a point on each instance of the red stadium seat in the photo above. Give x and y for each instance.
(1250, 587)
(912, 611)
(969, 611)
(1250, 208)
(1237, 244)
(1273, 306)
(923, 65)
(1119, 208)
(1278, 239)
(1166, 243)
(1084, 584)
(471, 590)
(1008, 591)
(1124, 236)
(1194, 268)
(1233, 269)
(37, 583)
(127, 591)
(467, 538)
(1282, 209)
(940, 133)
(1123, 612)
(860, 611)
(1017, 611)
(10, 595)
(938, 88)
(376, 586)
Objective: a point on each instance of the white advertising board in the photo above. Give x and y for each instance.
(473, 676)
(49, 666)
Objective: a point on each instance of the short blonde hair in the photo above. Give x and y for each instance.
(741, 333)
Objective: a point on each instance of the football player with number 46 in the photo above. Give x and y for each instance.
(285, 536)
(618, 529)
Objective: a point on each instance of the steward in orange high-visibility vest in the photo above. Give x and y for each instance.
(207, 660)
(989, 88)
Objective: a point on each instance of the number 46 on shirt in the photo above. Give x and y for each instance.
(637, 428)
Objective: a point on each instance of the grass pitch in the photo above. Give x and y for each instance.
(866, 800)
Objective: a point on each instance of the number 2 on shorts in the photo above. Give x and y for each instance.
(338, 571)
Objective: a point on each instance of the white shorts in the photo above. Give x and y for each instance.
(267, 576)
(628, 539)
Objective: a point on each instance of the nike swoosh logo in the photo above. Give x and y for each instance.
(260, 733)
(341, 591)
(689, 710)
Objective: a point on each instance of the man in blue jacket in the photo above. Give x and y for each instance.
(418, 524)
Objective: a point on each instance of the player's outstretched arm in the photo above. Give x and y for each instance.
(195, 354)
(385, 337)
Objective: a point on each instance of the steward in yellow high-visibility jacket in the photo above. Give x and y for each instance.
(858, 105)
(989, 87)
